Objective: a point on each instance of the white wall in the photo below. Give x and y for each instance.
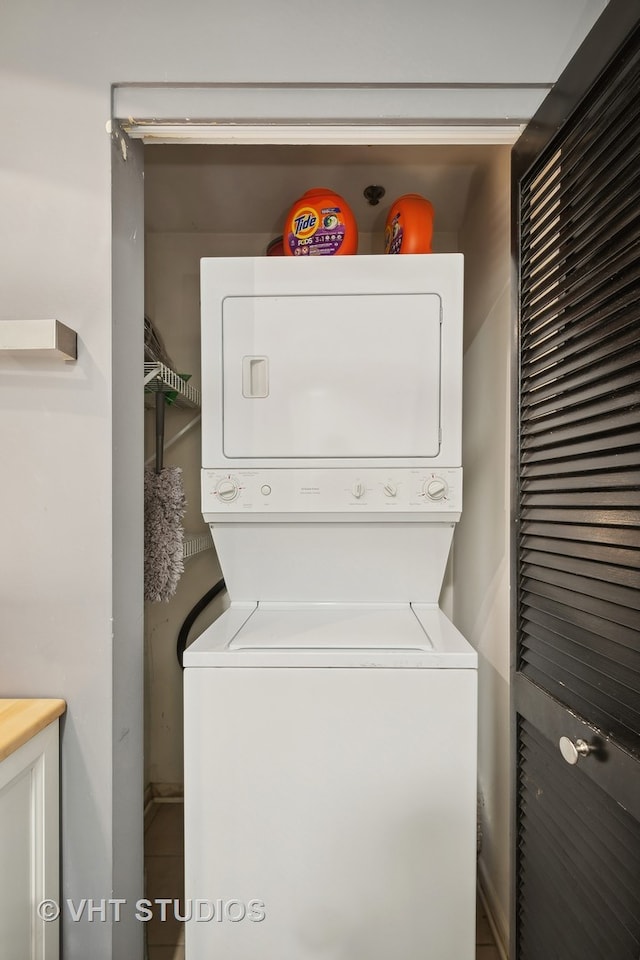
(481, 545)
(57, 62)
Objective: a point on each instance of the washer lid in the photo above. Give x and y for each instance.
(331, 635)
(327, 626)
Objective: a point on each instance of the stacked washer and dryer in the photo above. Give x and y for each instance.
(330, 712)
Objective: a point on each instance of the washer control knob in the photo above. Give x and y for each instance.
(435, 488)
(265, 489)
(358, 489)
(227, 490)
(390, 489)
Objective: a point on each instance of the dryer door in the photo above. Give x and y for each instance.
(331, 376)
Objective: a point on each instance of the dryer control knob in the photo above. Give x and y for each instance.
(435, 488)
(390, 490)
(227, 490)
(358, 489)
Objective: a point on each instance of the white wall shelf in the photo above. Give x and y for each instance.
(38, 338)
(160, 377)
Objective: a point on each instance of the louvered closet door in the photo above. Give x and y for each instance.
(577, 532)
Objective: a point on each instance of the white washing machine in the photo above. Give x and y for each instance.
(330, 713)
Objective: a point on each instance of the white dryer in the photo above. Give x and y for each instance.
(330, 713)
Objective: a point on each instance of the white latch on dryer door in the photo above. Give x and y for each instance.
(255, 377)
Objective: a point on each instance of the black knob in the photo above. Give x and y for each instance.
(374, 194)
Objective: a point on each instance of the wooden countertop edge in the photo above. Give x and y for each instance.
(20, 720)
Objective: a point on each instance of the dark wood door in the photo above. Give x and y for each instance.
(576, 664)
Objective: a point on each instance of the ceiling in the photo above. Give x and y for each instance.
(242, 188)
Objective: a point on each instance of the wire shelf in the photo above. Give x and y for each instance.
(157, 376)
(195, 543)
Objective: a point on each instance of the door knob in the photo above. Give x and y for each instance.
(573, 750)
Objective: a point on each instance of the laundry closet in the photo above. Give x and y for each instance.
(230, 200)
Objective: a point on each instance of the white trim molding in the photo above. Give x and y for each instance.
(199, 133)
(325, 113)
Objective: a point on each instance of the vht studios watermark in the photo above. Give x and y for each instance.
(202, 911)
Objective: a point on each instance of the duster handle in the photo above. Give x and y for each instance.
(159, 430)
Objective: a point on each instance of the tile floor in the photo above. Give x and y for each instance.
(164, 869)
(164, 843)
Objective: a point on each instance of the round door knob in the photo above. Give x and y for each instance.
(227, 490)
(435, 489)
(390, 489)
(572, 751)
(358, 489)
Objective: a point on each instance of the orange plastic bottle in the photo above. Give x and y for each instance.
(320, 223)
(409, 226)
(275, 248)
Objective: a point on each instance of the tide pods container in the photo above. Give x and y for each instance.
(320, 223)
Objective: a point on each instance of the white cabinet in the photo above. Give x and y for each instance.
(29, 844)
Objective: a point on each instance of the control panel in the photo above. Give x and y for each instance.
(404, 490)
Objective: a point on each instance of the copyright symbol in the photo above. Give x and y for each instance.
(48, 910)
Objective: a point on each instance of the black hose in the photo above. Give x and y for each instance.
(193, 615)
